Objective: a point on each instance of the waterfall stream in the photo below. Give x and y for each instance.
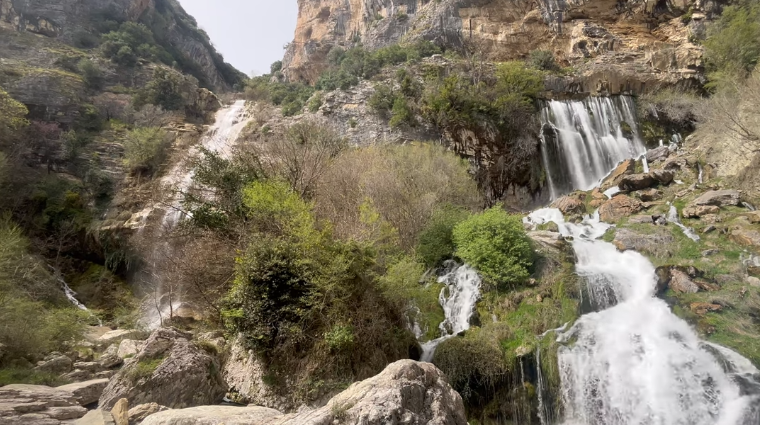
(163, 299)
(458, 299)
(582, 141)
(631, 360)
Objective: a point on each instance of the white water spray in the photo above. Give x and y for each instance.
(582, 141)
(688, 231)
(633, 361)
(458, 299)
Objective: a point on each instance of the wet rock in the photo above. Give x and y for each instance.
(96, 417)
(702, 309)
(650, 195)
(120, 412)
(719, 198)
(547, 239)
(664, 177)
(626, 167)
(138, 413)
(700, 211)
(619, 207)
(658, 154)
(597, 194)
(680, 282)
(58, 364)
(636, 182)
(87, 392)
(185, 374)
(571, 204)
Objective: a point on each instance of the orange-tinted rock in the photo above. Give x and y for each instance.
(618, 207)
(703, 308)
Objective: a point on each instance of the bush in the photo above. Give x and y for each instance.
(733, 44)
(401, 114)
(340, 337)
(291, 96)
(91, 73)
(382, 100)
(275, 67)
(436, 241)
(315, 102)
(543, 60)
(495, 243)
(145, 149)
(164, 90)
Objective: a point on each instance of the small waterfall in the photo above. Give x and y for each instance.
(632, 361)
(163, 299)
(688, 231)
(645, 163)
(458, 299)
(582, 141)
(70, 294)
(701, 173)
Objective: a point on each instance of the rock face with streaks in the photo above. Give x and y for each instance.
(625, 46)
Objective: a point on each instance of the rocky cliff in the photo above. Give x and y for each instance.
(618, 47)
(77, 23)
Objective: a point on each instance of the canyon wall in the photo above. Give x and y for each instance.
(619, 46)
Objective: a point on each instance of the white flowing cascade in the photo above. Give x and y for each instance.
(220, 138)
(582, 141)
(458, 299)
(634, 362)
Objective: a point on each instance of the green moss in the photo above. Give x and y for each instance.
(143, 369)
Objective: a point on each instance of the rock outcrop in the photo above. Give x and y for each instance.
(618, 47)
(619, 207)
(170, 370)
(405, 392)
(37, 405)
(87, 392)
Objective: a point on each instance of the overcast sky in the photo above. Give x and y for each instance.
(249, 33)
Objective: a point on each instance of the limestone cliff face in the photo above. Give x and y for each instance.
(66, 20)
(617, 45)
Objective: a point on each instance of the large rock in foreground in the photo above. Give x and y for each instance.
(170, 370)
(406, 392)
(37, 405)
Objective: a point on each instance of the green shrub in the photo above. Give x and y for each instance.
(340, 337)
(543, 60)
(143, 369)
(733, 44)
(91, 73)
(16, 375)
(382, 100)
(291, 96)
(275, 67)
(495, 243)
(164, 90)
(401, 113)
(315, 102)
(436, 241)
(145, 149)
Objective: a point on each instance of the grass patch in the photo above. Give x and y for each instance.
(13, 375)
(143, 369)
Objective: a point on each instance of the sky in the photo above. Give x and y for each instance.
(249, 33)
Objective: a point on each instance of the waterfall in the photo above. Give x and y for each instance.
(688, 231)
(582, 141)
(631, 360)
(458, 298)
(163, 299)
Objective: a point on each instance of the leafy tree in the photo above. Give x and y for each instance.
(495, 243)
(436, 241)
(276, 67)
(733, 44)
(145, 149)
(382, 99)
(91, 73)
(401, 113)
(164, 90)
(543, 60)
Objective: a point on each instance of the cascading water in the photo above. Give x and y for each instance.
(632, 361)
(458, 299)
(219, 138)
(688, 231)
(582, 141)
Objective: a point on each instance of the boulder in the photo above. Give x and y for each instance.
(658, 154)
(613, 179)
(746, 237)
(37, 405)
(58, 364)
(115, 337)
(169, 370)
(650, 195)
(636, 182)
(657, 244)
(702, 309)
(570, 204)
(138, 413)
(96, 417)
(110, 357)
(120, 412)
(753, 281)
(87, 392)
(681, 282)
(213, 415)
(719, 198)
(664, 177)
(753, 217)
(547, 239)
(641, 219)
(129, 348)
(245, 374)
(405, 392)
(619, 207)
(700, 211)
